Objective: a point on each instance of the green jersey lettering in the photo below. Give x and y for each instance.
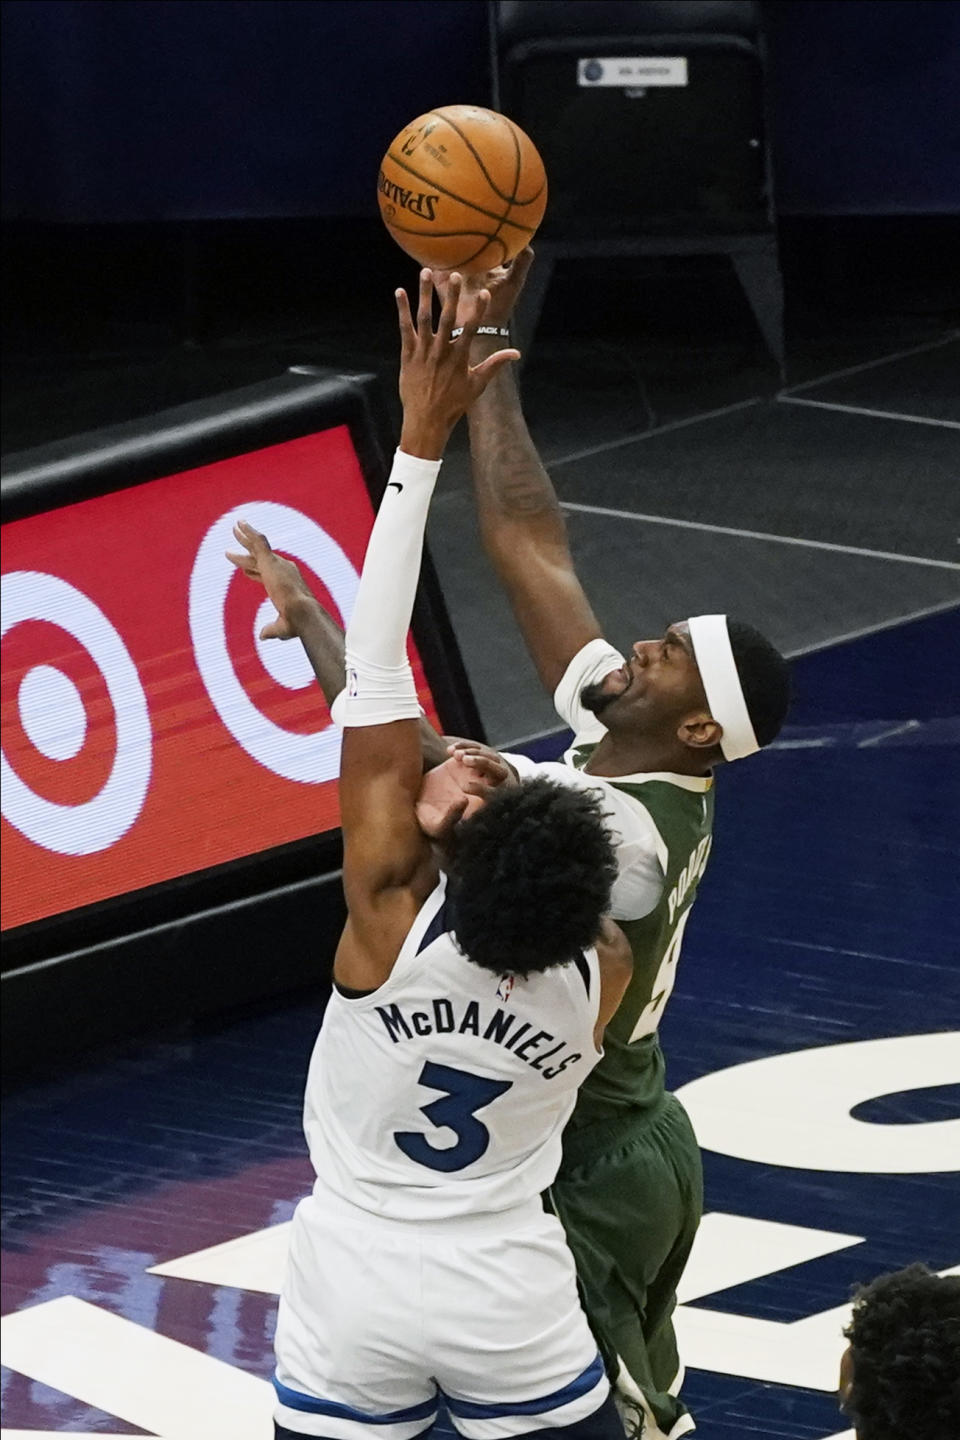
(631, 1072)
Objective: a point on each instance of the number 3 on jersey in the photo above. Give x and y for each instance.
(463, 1095)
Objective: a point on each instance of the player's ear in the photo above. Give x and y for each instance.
(700, 731)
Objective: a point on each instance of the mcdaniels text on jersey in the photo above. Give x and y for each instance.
(443, 1019)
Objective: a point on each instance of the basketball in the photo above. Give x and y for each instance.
(462, 188)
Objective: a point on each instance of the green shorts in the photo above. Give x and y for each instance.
(630, 1195)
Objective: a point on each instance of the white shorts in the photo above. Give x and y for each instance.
(381, 1319)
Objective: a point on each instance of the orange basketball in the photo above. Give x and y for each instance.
(462, 189)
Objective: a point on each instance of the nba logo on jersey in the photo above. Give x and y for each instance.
(505, 986)
(352, 686)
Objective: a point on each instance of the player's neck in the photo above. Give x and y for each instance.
(643, 755)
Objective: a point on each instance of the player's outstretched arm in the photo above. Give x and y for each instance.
(301, 616)
(388, 865)
(299, 613)
(521, 523)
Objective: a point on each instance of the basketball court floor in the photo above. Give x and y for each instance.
(813, 1031)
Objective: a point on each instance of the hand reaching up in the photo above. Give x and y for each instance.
(280, 578)
(437, 382)
(504, 285)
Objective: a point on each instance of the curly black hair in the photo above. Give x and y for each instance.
(764, 678)
(905, 1344)
(531, 877)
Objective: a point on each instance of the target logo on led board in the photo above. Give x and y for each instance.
(309, 757)
(148, 733)
(50, 726)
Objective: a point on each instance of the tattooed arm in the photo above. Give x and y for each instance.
(521, 523)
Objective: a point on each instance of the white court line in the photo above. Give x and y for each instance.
(889, 734)
(128, 1370)
(760, 535)
(6, 1434)
(657, 430)
(820, 744)
(521, 740)
(941, 608)
(874, 414)
(758, 400)
(950, 339)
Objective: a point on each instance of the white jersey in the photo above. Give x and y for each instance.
(445, 1091)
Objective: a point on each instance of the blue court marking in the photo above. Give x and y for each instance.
(901, 673)
(911, 1107)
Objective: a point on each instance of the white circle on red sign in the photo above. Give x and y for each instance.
(95, 824)
(308, 759)
(52, 712)
(285, 661)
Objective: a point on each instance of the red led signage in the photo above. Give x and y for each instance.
(147, 732)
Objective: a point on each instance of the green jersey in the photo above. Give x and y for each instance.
(631, 1073)
(630, 1189)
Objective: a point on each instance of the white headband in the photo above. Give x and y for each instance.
(721, 684)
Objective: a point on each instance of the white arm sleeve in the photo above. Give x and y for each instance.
(380, 684)
(592, 663)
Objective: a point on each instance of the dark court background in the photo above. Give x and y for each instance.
(153, 110)
(174, 171)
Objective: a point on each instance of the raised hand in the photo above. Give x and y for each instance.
(437, 381)
(504, 284)
(453, 791)
(480, 768)
(280, 578)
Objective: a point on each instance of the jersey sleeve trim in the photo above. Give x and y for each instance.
(439, 925)
(431, 912)
(699, 783)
